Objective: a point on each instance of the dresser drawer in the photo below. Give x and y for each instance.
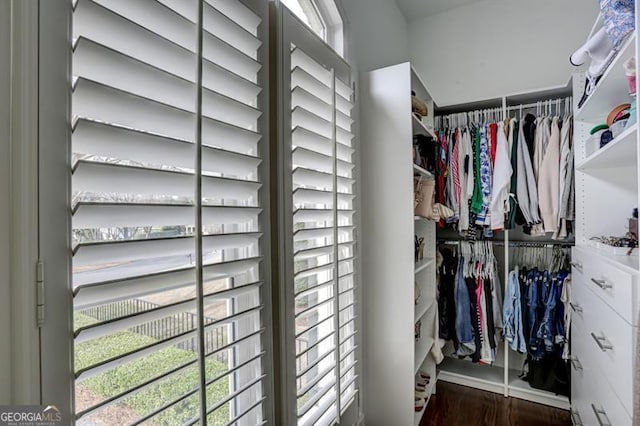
(592, 396)
(581, 414)
(604, 340)
(610, 283)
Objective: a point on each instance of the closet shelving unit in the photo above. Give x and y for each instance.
(605, 285)
(503, 376)
(393, 355)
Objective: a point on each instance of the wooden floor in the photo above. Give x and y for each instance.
(455, 405)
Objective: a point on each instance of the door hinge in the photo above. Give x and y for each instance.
(40, 293)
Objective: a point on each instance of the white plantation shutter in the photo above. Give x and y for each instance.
(168, 184)
(321, 280)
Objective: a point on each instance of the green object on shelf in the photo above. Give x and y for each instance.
(598, 128)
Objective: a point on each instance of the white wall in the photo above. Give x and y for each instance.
(378, 32)
(5, 217)
(497, 47)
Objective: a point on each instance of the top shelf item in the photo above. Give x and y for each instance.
(611, 90)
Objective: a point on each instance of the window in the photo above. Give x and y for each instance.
(168, 164)
(320, 248)
(323, 17)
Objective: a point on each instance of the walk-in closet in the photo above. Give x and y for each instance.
(522, 212)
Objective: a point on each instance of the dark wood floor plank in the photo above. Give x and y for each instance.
(455, 405)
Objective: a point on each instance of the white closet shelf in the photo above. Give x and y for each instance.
(423, 264)
(422, 172)
(518, 388)
(423, 347)
(421, 219)
(466, 373)
(422, 308)
(620, 152)
(630, 264)
(612, 89)
(419, 128)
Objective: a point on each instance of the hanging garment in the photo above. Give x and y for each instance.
(539, 145)
(482, 211)
(512, 315)
(529, 133)
(486, 353)
(496, 295)
(465, 168)
(565, 298)
(476, 319)
(566, 176)
(513, 151)
(549, 179)
(527, 191)
(501, 179)
(476, 199)
(455, 172)
(464, 328)
(446, 294)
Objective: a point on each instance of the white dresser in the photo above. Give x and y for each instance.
(604, 314)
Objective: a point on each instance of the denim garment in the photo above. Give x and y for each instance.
(534, 281)
(464, 331)
(512, 315)
(546, 332)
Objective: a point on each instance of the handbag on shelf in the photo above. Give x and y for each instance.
(426, 152)
(424, 198)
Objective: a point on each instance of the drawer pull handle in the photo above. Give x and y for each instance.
(600, 415)
(575, 362)
(575, 418)
(602, 342)
(602, 284)
(577, 308)
(577, 265)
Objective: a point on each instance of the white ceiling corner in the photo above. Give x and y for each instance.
(417, 9)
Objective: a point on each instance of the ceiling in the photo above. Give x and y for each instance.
(417, 9)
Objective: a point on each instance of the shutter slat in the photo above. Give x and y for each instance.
(303, 196)
(100, 330)
(343, 105)
(106, 215)
(227, 110)
(115, 178)
(230, 31)
(302, 79)
(310, 66)
(100, 102)
(238, 12)
(313, 253)
(86, 254)
(228, 163)
(310, 121)
(343, 89)
(302, 98)
(228, 137)
(312, 160)
(312, 179)
(344, 121)
(184, 8)
(103, 26)
(319, 287)
(314, 400)
(98, 293)
(344, 137)
(225, 82)
(98, 63)
(307, 273)
(101, 139)
(304, 138)
(156, 17)
(316, 379)
(218, 51)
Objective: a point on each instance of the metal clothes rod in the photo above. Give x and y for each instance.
(513, 243)
(539, 103)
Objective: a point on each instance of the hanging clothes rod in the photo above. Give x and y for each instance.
(513, 243)
(540, 103)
